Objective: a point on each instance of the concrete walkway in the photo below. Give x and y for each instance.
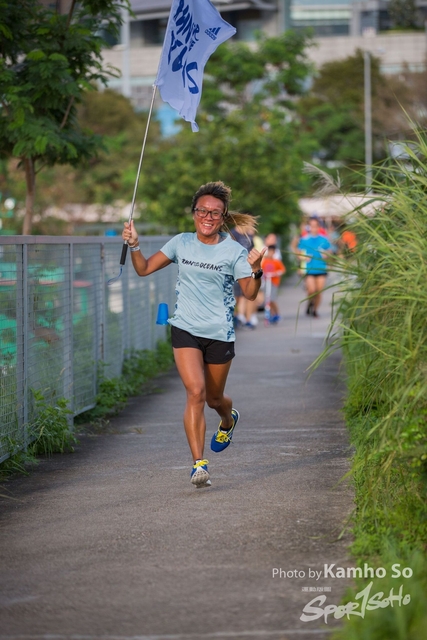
(114, 543)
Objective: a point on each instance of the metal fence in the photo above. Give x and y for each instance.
(59, 320)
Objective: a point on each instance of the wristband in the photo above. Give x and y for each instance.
(136, 248)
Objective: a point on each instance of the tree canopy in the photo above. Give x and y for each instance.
(332, 112)
(47, 62)
(248, 136)
(260, 119)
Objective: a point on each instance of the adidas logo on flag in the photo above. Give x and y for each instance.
(213, 33)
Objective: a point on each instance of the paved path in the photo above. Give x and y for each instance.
(114, 543)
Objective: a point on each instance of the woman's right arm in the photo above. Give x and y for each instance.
(143, 266)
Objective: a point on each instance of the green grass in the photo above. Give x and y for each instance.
(49, 431)
(381, 326)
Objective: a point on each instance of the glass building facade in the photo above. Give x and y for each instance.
(326, 18)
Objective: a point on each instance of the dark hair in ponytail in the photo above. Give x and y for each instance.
(231, 218)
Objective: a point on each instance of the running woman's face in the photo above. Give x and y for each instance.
(207, 228)
(314, 227)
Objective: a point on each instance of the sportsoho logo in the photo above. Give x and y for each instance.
(213, 32)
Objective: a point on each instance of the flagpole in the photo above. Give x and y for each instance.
(138, 174)
(181, 91)
(142, 153)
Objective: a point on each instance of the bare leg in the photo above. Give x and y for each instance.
(251, 308)
(190, 367)
(216, 377)
(319, 286)
(274, 308)
(314, 289)
(241, 307)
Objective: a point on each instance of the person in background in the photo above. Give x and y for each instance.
(347, 242)
(316, 248)
(273, 269)
(271, 240)
(300, 254)
(245, 315)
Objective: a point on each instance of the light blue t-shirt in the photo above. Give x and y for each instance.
(204, 287)
(313, 245)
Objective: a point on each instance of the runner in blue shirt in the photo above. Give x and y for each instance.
(209, 262)
(316, 249)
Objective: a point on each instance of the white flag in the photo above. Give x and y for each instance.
(195, 29)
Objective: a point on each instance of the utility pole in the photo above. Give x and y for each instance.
(285, 21)
(368, 119)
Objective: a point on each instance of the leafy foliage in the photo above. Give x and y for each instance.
(332, 112)
(47, 61)
(263, 166)
(239, 74)
(248, 137)
(252, 144)
(51, 431)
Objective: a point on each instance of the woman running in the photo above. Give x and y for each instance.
(209, 262)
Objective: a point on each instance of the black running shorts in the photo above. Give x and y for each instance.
(214, 351)
(315, 275)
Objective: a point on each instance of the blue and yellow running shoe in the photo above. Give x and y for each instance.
(221, 439)
(200, 474)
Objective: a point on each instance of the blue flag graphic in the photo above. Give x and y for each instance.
(194, 31)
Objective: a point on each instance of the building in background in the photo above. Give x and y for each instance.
(346, 17)
(151, 16)
(339, 26)
(325, 17)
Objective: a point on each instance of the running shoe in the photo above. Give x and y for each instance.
(221, 439)
(200, 474)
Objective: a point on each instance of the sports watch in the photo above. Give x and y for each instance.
(256, 275)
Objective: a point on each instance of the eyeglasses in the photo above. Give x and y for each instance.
(215, 213)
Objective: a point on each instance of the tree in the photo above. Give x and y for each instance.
(332, 111)
(274, 71)
(47, 62)
(403, 13)
(248, 137)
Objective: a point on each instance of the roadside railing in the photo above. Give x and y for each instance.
(59, 319)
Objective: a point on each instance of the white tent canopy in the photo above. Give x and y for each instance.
(338, 205)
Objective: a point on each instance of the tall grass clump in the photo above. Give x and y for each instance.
(381, 326)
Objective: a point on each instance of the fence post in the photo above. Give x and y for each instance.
(22, 339)
(100, 310)
(68, 329)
